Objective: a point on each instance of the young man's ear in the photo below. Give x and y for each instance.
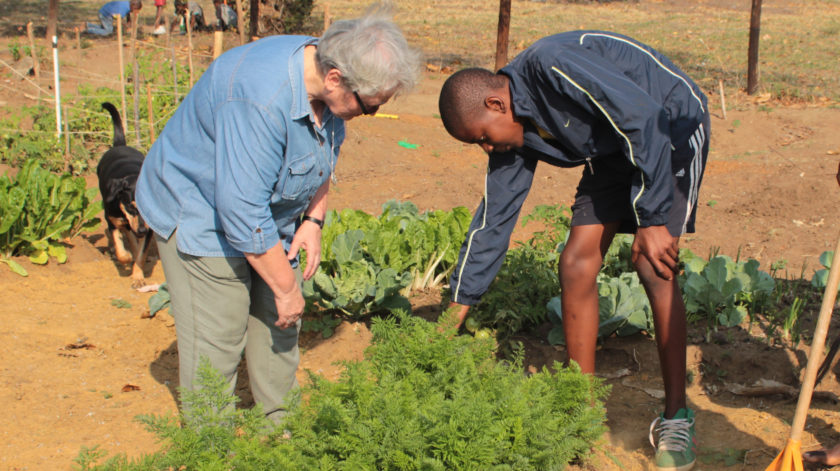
(495, 102)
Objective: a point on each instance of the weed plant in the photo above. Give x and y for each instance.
(422, 398)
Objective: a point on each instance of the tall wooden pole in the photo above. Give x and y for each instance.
(240, 22)
(190, 45)
(151, 114)
(752, 55)
(171, 46)
(52, 19)
(33, 53)
(255, 18)
(57, 86)
(135, 25)
(503, 34)
(122, 66)
(218, 43)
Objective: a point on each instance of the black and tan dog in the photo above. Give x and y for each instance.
(118, 171)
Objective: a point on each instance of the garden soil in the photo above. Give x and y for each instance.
(81, 358)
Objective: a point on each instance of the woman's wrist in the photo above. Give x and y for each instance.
(319, 222)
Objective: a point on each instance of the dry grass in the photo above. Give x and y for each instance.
(709, 41)
(707, 38)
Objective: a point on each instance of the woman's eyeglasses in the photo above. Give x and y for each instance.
(362, 106)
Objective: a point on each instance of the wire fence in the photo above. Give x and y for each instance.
(156, 83)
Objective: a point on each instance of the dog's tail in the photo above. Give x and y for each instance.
(119, 134)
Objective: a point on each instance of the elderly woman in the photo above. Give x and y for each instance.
(236, 185)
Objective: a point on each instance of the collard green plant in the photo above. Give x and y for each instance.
(40, 210)
(371, 263)
(352, 283)
(623, 308)
(820, 278)
(721, 289)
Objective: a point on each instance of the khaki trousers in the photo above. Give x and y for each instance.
(221, 308)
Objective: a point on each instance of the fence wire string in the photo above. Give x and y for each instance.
(69, 105)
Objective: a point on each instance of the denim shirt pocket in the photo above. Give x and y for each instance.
(299, 178)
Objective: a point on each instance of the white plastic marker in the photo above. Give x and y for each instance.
(57, 88)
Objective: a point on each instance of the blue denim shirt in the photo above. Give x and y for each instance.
(115, 8)
(241, 158)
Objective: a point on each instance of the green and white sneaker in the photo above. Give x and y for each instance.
(676, 447)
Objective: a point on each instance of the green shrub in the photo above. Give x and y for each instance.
(421, 399)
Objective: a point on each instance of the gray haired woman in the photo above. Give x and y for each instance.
(236, 185)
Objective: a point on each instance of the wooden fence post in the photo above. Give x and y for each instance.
(122, 67)
(34, 54)
(255, 18)
(218, 43)
(151, 115)
(52, 19)
(57, 86)
(66, 140)
(240, 22)
(190, 46)
(135, 25)
(171, 46)
(503, 34)
(752, 54)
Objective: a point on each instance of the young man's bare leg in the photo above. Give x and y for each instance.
(580, 263)
(670, 327)
(675, 442)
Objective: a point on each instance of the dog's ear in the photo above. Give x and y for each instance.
(115, 187)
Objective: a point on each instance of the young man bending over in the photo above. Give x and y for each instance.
(639, 127)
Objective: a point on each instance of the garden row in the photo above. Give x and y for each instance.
(373, 264)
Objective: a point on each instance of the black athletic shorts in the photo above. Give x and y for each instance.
(603, 194)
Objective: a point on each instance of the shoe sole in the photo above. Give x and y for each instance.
(685, 467)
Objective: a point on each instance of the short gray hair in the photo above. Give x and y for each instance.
(371, 53)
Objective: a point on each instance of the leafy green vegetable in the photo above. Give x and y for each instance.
(623, 308)
(722, 289)
(820, 278)
(354, 284)
(40, 210)
(370, 263)
(159, 300)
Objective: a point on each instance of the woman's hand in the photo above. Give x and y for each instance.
(290, 306)
(659, 247)
(307, 237)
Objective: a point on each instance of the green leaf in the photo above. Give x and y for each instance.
(825, 258)
(15, 266)
(556, 336)
(159, 300)
(58, 252)
(39, 257)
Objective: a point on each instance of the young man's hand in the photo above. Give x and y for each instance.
(461, 312)
(660, 248)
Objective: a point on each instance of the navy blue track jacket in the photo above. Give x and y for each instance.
(593, 94)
